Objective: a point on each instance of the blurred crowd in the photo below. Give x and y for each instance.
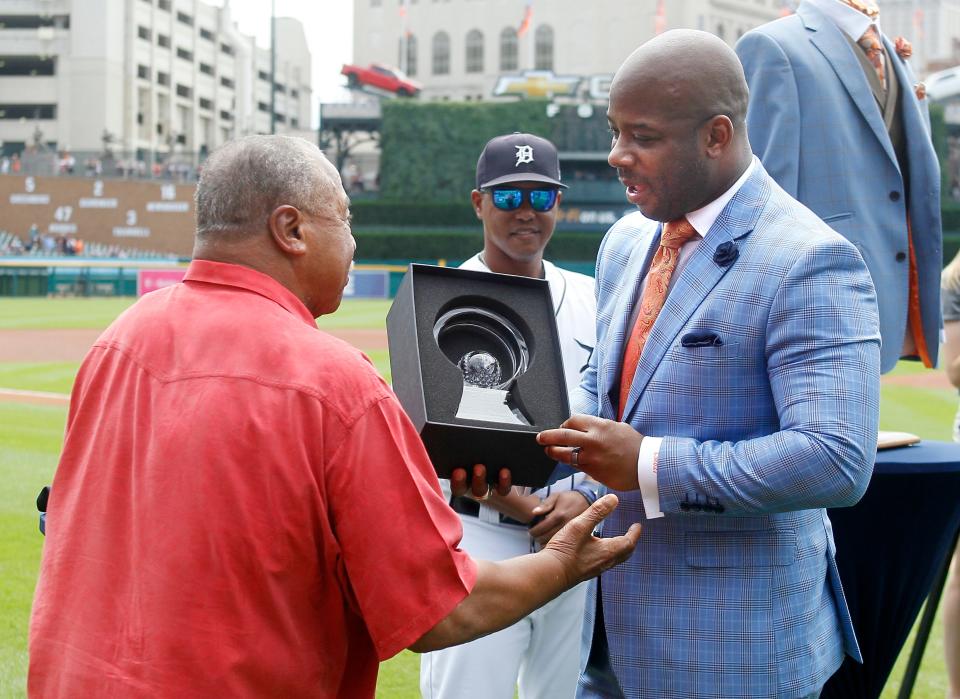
(184, 168)
(39, 244)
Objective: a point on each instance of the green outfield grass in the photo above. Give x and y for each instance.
(358, 313)
(52, 377)
(42, 313)
(30, 439)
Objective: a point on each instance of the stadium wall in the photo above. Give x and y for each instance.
(153, 215)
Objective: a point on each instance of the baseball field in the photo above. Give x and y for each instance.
(41, 344)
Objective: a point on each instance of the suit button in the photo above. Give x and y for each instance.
(894, 196)
(901, 256)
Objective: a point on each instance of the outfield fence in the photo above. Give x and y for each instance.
(75, 276)
(66, 276)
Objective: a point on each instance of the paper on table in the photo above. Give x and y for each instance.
(889, 440)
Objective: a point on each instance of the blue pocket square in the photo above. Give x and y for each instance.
(704, 339)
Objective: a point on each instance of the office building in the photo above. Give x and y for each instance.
(932, 26)
(460, 49)
(148, 78)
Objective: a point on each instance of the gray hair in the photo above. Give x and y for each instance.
(243, 181)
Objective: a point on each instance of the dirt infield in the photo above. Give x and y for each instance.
(64, 345)
(935, 378)
(45, 345)
(70, 345)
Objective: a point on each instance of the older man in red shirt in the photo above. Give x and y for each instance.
(242, 508)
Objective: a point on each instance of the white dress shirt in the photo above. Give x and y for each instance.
(851, 22)
(702, 220)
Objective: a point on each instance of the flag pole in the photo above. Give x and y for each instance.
(403, 37)
(523, 30)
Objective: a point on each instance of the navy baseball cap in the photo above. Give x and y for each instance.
(518, 157)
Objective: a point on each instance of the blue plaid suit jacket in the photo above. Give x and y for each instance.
(735, 592)
(819, 132)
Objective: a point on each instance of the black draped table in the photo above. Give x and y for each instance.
(892, 547)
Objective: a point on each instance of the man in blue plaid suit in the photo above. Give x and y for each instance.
(754, 404)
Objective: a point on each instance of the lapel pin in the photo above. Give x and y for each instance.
(903, 47)
(726, 254)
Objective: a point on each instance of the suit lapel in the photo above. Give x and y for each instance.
(910, 106)
(830, 41)
(698, 278)
(619, 331)
(916, 134)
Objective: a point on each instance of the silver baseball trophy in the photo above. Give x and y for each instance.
(491, 353)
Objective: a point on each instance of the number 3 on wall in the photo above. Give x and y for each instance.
(131, 217)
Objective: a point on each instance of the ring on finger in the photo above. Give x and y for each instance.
(575, 457)
(486, 495)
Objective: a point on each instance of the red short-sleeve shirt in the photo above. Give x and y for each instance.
(241, 509)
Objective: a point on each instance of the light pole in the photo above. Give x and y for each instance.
(273, 67)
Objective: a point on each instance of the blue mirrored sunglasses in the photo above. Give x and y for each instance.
(511, 199)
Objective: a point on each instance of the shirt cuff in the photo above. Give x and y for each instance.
(647, 476)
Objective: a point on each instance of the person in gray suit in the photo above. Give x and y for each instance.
(838, 119)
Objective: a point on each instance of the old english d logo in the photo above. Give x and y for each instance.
(524, 155)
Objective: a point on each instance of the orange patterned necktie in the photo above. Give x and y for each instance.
(870, 43)
(675, 234)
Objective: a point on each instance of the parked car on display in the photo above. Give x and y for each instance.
(943, 84)
(381, 77)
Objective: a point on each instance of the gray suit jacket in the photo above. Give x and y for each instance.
(816, 126)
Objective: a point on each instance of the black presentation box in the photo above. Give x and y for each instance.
(441, 314)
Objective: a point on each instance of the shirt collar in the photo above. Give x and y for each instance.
(851, 22)
(224, 274)
(703, 218)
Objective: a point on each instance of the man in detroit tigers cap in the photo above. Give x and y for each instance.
(517, 199)
(518, 157)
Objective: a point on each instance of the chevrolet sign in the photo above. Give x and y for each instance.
(537, 83)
